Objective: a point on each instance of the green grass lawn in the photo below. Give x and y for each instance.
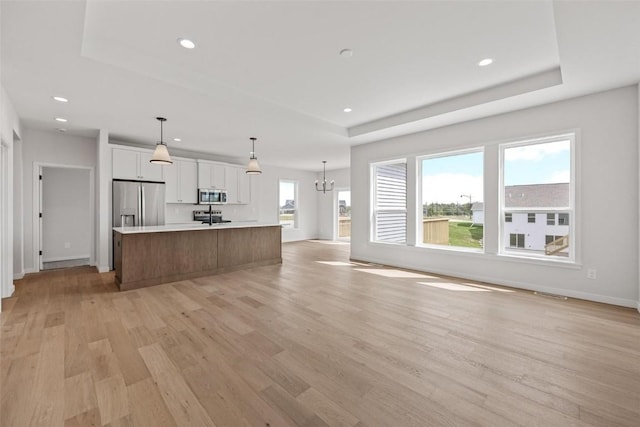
(462, 234)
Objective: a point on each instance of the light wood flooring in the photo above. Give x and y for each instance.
(312, 344)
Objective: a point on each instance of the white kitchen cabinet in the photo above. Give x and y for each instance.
(244, 186)
(211, 175)
(231, 180)
(134, 164)
(238, 185)
(188, 188)
(181, 181)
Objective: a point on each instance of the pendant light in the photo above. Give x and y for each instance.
(161, 155)
(324, 187)
(253, 168)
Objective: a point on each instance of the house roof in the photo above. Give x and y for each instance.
(537, 196)
(533, 196)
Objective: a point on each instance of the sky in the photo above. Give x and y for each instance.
(446, 179)
(451, 179)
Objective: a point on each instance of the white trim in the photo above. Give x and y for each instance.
(419, 191)
(18, 276)
(476, 253)
(103, 269)
(573, 210)
(66, 258)
(36, 209)
(296, 197)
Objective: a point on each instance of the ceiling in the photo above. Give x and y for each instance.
(273, 69)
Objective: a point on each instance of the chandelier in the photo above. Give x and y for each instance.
(323, 185)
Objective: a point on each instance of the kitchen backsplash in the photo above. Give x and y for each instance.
(176, 213)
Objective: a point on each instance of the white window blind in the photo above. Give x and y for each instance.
(390, 202)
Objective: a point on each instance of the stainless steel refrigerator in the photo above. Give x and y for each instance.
(137, 203)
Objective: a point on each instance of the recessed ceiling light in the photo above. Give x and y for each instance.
(60, 99)
(177, 139)
(347, 110)
(60, 119)
(485, 62)
(186, 43)
(346, 53)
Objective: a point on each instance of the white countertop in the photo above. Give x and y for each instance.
(191, 226)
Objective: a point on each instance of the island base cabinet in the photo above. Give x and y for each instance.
(242, 246)
(147, 259)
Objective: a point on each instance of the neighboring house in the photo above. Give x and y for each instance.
(289, 207)
(542, 220)
(477, 213)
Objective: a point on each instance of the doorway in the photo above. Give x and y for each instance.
(344, 214)
(65, 217)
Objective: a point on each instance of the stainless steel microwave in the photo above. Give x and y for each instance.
(210, 196)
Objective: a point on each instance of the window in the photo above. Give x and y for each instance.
(563, 219)
(389, 202)
(551, 219)
(537, 179)
(516, 240)
(451, 208)
(288, 204)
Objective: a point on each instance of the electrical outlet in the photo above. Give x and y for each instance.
(592, 273)
(67, 245)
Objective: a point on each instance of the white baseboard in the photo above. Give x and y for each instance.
(624, 302)
(29, 270)
(18, 276)
(103, 268)
(64, 258)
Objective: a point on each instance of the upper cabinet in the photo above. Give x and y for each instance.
(211, 175)
(238, 185)
(222, 176)
(181, 181)
(184, 176)
(134, 164)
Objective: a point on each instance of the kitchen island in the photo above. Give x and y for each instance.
(151, 255)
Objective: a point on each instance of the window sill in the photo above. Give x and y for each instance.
(572, 264)
(479, 253)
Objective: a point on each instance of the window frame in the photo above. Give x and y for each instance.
(296, 208)
(573, 256)
(374, 211)
(420, 202)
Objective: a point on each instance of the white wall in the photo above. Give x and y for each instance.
(328, 203)
(307, 204)
(10, 132)
(104, 235)
(607, 156)
(50, 148)
(66, 214)
(18, 203)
